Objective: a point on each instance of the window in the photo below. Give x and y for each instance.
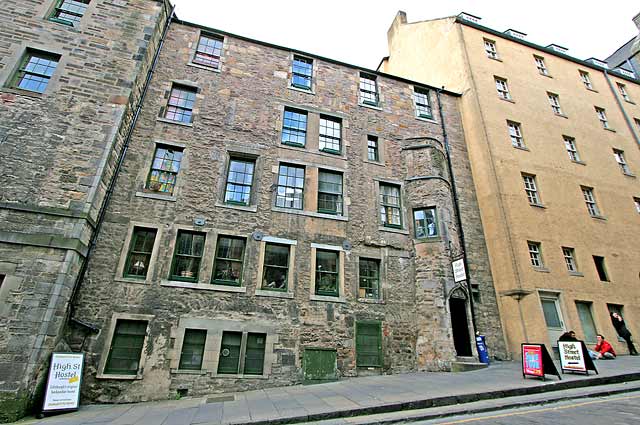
(637, 202)
(254, 355)
(239, 180)
(327, 272)
(490, 48)
(330, 129)
(570, 145)
(294, 127)
(140, 250)
(209, 51)
(368, 89)
(554, 101)
(302, 70)
(373, 152)
(586, 80)
(290, 191)
(503, 89)
(637, 123)
(164, 169)
(425, 223)
(229, 360)
(180, 105)
(586, 320)
(515, 133)
(600, 268)
(35, 71)
(569, 259)
(369, 286)
(602, 116)
(423, 105)
(192, 349)
(126, 347)
(531, 189)
(534, 254)
(590, 200)
(187, 256)
(542, 67)
(623, 92)
(619, 156)
(390, 205)
(276, 267)
(69, 12)
(227, 267)
(330, 192)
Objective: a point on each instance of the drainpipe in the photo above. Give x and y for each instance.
(624, 113)
(112, 182)
(456, 207)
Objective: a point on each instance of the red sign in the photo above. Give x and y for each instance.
(532, 360)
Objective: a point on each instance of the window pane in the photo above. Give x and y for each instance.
(229, 359)
(327, 273)
(369, 286)
(425, 223)
(126, 347)
(229, 260)
(192, 349)
(290, 187)
(254, 356)
(276, 266)
(551, 316)
(209, 51)
(294, 127)
(140, 250)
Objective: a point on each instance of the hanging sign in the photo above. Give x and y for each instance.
(63, 384)
(459, 273)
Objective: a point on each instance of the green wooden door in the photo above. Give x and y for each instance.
(368, 344)
(319, 364)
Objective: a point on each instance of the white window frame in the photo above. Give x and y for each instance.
(623, 92)
(502, 88)
(535, 254)
(541, 65)
(636, 200)
(491, 49)
(590, 201)
(531, 189)
(586, 80)
(602, 116)
(570, 259)
(619, 156)
(572, 150)
(554, 101)
(515, 133)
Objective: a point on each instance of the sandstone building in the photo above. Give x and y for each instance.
(277, 217)
(553, 146)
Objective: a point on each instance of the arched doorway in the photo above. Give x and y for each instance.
(460, 323)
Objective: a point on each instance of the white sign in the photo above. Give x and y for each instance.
(571, 356)
(63, 385)
(459, 272)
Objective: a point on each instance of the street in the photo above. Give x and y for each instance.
(618, 410)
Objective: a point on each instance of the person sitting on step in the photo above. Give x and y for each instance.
(602, 350)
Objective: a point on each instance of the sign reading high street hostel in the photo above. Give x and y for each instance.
(459, 273)
(571, 356)
(63, 384)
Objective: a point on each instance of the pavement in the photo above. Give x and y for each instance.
(372, 399)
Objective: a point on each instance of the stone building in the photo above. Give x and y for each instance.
(281, 217)
(71, 75)
(553, 146)
(627, 57)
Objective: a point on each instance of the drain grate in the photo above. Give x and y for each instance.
(221, 399)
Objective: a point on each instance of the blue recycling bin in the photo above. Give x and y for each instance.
(483, 354)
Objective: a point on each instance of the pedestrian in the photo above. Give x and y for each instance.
(568, 336)
(602, 350)
(621, 328)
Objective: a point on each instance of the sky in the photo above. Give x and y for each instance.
(354, 31)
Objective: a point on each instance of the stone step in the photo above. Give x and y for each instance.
(467, 366)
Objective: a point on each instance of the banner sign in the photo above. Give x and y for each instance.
(532, 360)
(571, 356)
(459, 273)
(63, 384)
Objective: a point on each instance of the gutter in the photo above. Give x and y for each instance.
(619, 103)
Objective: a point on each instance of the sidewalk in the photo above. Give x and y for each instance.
(349, 397)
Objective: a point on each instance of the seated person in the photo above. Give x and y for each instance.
(568, 336)
(602, 350)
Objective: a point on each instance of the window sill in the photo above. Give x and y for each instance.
(274, 294)
(545, 75)
(239, 376)
(205, 67)
(378, 163)
(629, 174)
(495, 59)
(183, 124)
(327, 298)
(228, 288)
(301, 90)
(392, 230)
(298, 148)
(507, 100)
(630, 101)
(132, 280)
(522, 148)
(590, 89)
(577, 274)
(188, 372)
(364, 105)
(541, 269)
(20, 92)
(203, 286)
(60, 21)
(599, 217)
(170, 198)
(431, 120)
(434, 239)
(310, 214)
(371, 301)
(292, 145)
(610, 129)
(560, 115)
(119, 377)
(578, 162)
(248, 208)
(538, 206)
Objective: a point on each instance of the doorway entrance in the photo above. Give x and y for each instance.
(460, 324)
(552, 317)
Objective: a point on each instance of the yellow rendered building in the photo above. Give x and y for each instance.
(554, 149)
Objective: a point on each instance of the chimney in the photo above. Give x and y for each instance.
(398, 21)
(636, 20)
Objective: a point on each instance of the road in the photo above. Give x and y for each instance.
(614, 410)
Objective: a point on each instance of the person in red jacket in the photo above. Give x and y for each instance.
(602, 350)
